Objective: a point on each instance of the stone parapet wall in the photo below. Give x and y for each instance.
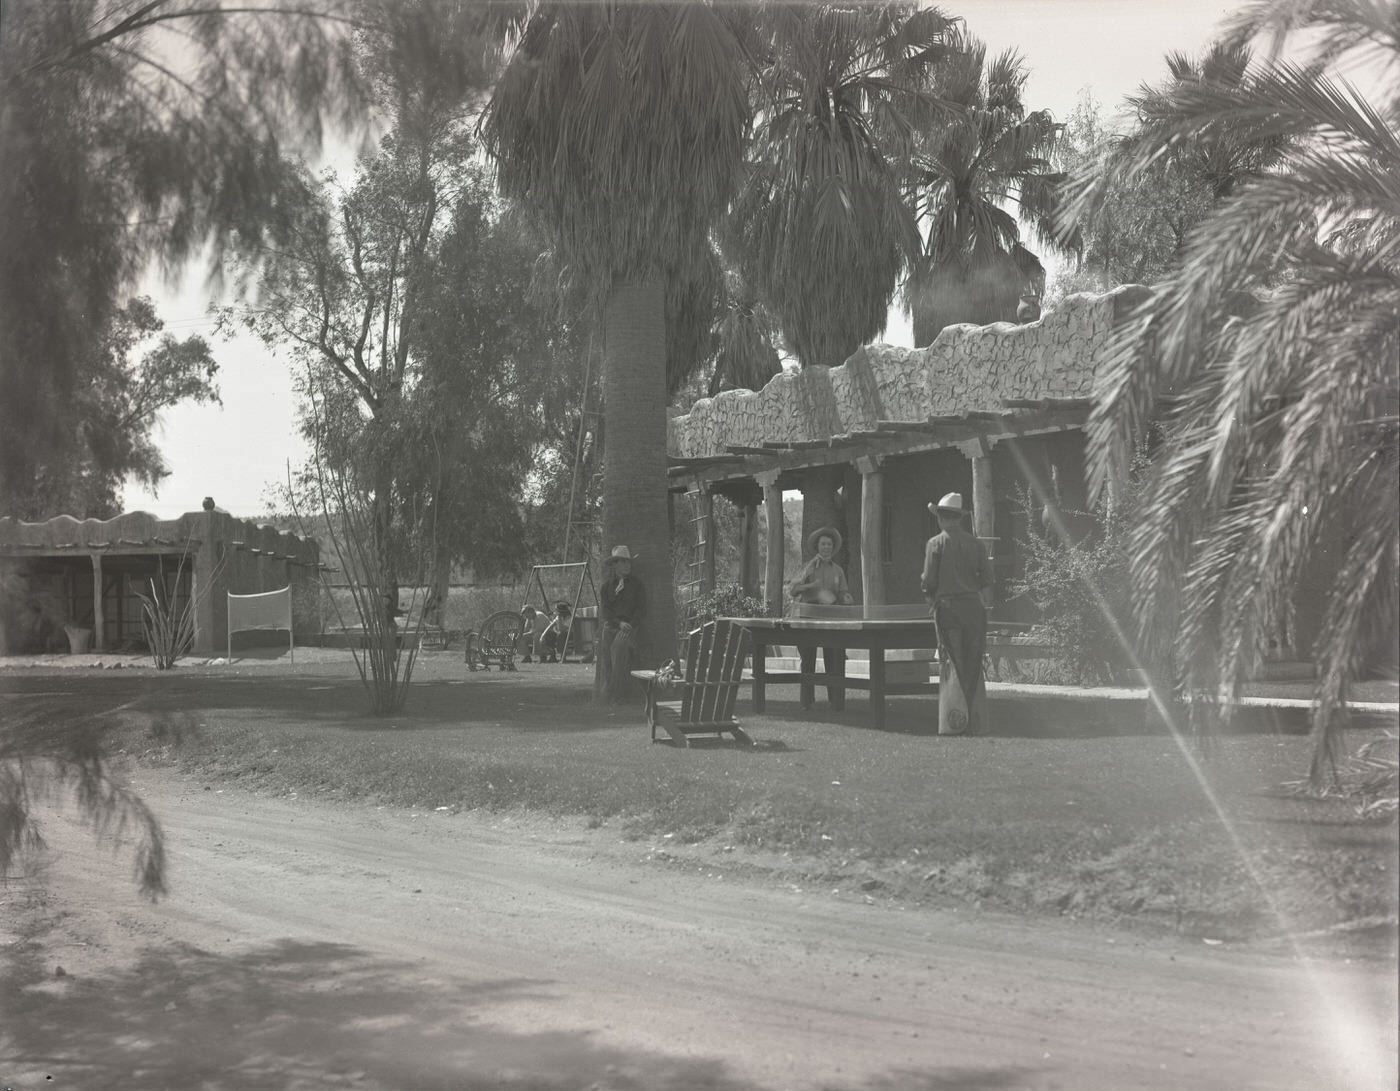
(967, 368)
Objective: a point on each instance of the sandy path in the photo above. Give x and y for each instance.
(321, 945)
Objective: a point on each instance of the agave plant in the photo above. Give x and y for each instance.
(168, 618)
(1270, 362)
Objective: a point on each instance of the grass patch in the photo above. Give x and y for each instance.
(1114, 828)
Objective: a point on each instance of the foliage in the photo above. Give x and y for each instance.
(1136, 226)
(498, 395)
(45, 759)
(820, 228)
(376, 565)
(109, 419)
(1080, 586)
(115, 157)
(1134, 236)
(726, 601)
(403, 299)
(1269, 358)
(623, 126)
(992, 153)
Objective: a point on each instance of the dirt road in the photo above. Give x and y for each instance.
(311, 945)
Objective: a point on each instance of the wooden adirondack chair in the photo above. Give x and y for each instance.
(702, 701)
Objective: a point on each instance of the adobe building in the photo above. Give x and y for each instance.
(987, 411)
(83, 575)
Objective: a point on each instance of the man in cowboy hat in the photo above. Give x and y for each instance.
(956, 570)
(622, 605)
(822, 580)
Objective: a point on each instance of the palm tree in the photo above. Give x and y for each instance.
(974, 265)
(821, 229)
(1269, 363)
(623, 126)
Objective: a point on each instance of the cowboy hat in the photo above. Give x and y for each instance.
(951, 504)
(621, 553)
(824, 532)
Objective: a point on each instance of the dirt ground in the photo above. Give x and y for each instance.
(325, 944)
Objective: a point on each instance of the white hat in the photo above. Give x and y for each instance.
(951, 504)
(621, 553)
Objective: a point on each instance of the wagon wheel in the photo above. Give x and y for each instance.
(473, 652)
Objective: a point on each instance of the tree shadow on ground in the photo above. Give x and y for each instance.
(527, 703)
(296, 1014)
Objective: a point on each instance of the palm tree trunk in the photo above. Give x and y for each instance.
(634, 468)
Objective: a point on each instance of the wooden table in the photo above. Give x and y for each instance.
(878, 635)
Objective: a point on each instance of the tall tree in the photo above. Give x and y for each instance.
(496, 397)
(133, 132)
(622, 125)
(346, 291)
(1270, 360)
(821, 229)
(965, 172)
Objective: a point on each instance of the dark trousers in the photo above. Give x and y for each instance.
(831, 658)
(962, 639)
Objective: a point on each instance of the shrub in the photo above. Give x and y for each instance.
(1081, 589)
(727, 601)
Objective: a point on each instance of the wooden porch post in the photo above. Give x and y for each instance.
(773, 557)
(872, 530)
(99, 616)
(748, 548)
(707, 527)
(983, 502)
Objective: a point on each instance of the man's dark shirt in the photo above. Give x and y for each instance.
(628, 604)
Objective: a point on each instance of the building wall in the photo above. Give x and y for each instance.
(50, 566)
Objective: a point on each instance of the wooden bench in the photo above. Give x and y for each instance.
(701, 701)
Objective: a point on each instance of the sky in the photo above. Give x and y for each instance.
(238, 452)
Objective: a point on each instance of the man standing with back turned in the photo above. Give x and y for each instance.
(956, 570)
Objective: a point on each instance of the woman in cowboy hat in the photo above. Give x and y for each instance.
(956, 570)
(622, 605)
(822, 580)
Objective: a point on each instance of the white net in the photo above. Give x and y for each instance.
(269, 610)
